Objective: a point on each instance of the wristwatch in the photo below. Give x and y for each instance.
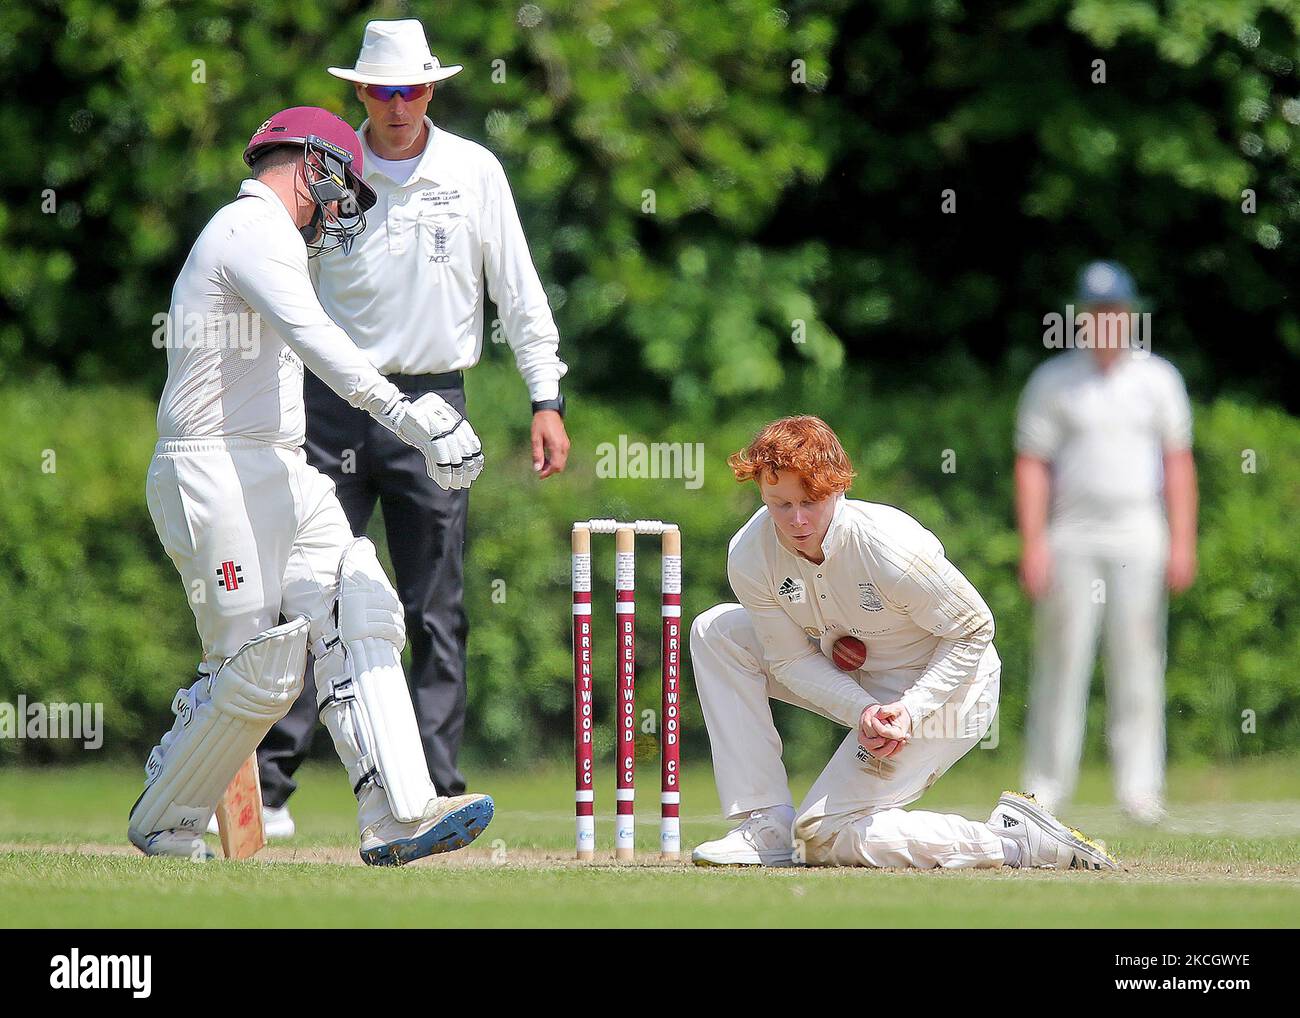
(556, 404)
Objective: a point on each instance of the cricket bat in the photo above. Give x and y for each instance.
(239, 814)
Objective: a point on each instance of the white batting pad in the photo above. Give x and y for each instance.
(361, 689)
(220, 721)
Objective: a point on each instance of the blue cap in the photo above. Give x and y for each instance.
(1105, 283)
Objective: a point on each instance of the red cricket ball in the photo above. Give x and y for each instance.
(849, 653)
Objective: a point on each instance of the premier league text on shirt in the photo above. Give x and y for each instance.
(181, 330)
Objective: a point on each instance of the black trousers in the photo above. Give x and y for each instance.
(426, 539)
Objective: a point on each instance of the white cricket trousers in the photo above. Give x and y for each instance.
(253, 530)
(1120, 591)
(853, 815)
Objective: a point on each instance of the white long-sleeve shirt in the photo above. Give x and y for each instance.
(243, 321)
(411, 292)
(885, 580)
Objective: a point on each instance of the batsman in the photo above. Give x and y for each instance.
(823, 579)
(258, 535)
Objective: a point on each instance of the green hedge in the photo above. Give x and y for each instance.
(92, 610)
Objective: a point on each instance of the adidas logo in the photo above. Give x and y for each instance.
(1009, 821)
(792, 590)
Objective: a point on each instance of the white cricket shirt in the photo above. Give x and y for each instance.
(885, 580)
(231, 372)
(411, 292)
(1104, 433)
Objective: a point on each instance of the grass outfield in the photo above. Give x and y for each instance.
(1230, 856)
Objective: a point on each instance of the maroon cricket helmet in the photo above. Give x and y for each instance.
(334, 160)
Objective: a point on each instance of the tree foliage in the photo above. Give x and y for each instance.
(714, 193)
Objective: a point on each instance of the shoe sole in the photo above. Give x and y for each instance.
(784, 860)
(1099, 858)
(456, 830)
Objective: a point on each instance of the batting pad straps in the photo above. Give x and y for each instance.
(219, 723)
(362, 690)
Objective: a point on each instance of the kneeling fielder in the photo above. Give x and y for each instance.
(256, 533)
(811, 568)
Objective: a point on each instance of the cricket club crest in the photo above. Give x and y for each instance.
(870, 600)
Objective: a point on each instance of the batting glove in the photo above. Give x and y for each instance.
(453, 454)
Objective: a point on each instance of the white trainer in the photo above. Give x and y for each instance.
(759, 840)
(1045, 842)
(277, 823)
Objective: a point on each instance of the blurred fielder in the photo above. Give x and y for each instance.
(1103, 435)
(257, 534)
(811, 569)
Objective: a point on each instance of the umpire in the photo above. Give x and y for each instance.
(411, 295)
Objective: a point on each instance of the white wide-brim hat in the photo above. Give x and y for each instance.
(395, 53)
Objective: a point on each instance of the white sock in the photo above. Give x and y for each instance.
(1011, 852)
(782, 814)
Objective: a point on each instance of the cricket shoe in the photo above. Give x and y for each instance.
(759, 840)
(449, 823)
(1045, 842)
(178, 844)
(277, 823)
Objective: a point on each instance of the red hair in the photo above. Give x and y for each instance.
(805, 445)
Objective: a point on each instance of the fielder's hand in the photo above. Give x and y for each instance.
(1036, 569)
(1181, 569)
(452, 452)
(884, 729)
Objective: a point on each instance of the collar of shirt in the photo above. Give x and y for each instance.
(1090, 367)
(423, 169)
(835, 532)
(251, 188)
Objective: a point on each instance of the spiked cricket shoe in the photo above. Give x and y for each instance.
(1045, 842)
(759, 840)
(450, 822)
